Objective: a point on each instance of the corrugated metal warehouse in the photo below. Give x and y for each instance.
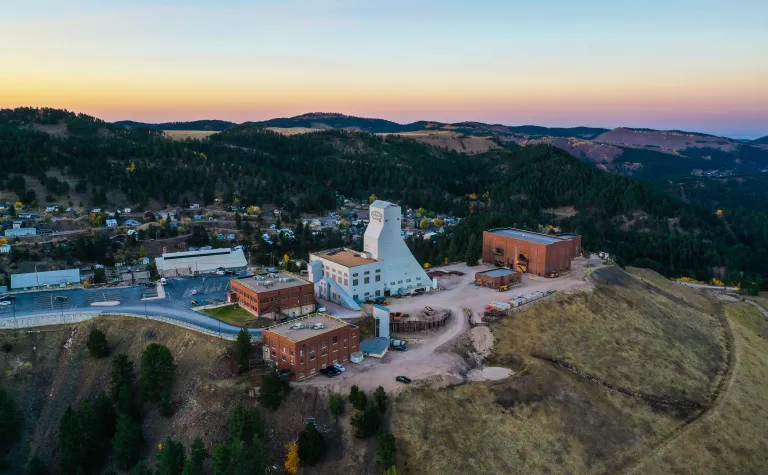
(200, 262)
(57, 278)
(526, 251)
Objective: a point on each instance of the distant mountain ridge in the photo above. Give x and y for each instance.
(215, 125)
(760, 141)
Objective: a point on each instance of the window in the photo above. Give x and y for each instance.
(274, 353)
(335, 339)
(291, 352)
(346, 282)
(355, 297)
(312, 371)
(378, 293)
(324, 345)
(291, 361)
(378, 270)
(346, 275)
(283, 358)
(378, 278)
(324, 365)
(367, 280)
(407, 280)
(399, 281)
(354, 282)
(301, 375)
(301, 352)
(354, 275)
(391, 283)
(344, 360)
(418, 278)
(367, 272)
(283, 350)
(345, 342)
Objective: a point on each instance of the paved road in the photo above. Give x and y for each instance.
(176, 305)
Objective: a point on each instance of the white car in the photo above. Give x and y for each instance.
(194, 292)
(339, 367)
(4, 303)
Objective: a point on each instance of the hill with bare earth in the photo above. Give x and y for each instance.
(603, 381)
(48, 369)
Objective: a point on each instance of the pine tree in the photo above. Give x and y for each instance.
(170, 457)
(274, 388)
(127, 442)
(386, 451)
(97, 344)
(367, 422)
(311, 445)
(336, 405)
(122, 374)
(472, 255)
(243, 349)
(380, 399)
(158, 371)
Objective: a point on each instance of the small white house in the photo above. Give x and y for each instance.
(194, 206)
(126, 210)
(50, 209)
(111, 223)
(5, 249)
(96, 210)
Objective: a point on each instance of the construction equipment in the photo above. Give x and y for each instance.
(503, 288)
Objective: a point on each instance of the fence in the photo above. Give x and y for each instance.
(412, 326)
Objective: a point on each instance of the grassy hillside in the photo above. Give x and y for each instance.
(648, 356)
(731, 438)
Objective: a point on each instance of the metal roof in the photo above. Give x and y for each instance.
(298, 334)
(526, 236)
(381, 204)
(202, 261)
(54, 277)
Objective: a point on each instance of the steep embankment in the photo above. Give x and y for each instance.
(600, 376)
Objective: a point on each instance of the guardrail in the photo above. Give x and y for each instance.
(70, 318)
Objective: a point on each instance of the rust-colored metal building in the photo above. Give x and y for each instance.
(528, 252)
(495, 278)
(307, 345)
(279, 294)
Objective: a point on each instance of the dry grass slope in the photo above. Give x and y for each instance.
(635, 331)
(732, 438)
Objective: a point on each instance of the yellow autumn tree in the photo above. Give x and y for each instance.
(371, 198)
(720, 212)
(426, 265)
(292, 457)
(286, 257)
(438, 222)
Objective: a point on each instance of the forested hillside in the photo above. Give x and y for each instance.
(215, 125)
(303, 173)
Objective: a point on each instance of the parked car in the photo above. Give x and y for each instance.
(330, 371)
(400, 348)
(4, 303)
(7, 298)
(163, 281)
(60, 298)
(194, 292)
(403, 379)
(339, 367)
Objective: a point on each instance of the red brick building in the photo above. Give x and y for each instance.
(526, 251)
(307, 345)
(495, 278)
(280, 294)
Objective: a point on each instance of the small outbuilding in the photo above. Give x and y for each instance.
(497, 278)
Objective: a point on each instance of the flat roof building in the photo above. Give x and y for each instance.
(384, 267)
(306, 345)
(200, 262)
(274, 296)
(57, 278)
(530, 252)
(496, 278)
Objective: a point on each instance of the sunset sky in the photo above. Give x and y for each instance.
(687, 64)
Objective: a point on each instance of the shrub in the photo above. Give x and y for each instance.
(336, 405)
(311, 445)
(97, 344)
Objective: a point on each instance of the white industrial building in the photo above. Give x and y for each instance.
(385, 266)
(54, 278)
(200, 262)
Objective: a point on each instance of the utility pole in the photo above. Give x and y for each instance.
(37, 277)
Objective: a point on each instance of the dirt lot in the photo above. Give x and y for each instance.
(431, 359)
